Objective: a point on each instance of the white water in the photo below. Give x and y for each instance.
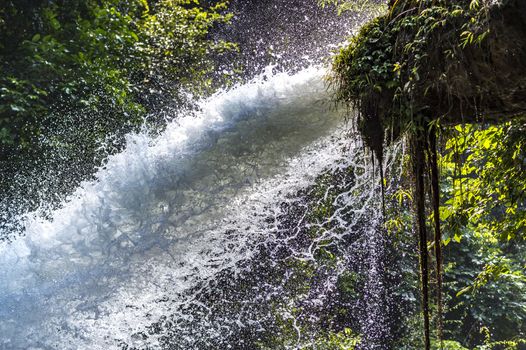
(153, 223)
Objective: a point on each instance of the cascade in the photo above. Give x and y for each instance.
(153, 251)
(200, 238)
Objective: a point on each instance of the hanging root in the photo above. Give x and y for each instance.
(419, 164)
(435, 187)
(382, 183)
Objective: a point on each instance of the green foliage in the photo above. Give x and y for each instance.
(485, 286)
(108, 58)
(370, 6)
(179, 44)
(401, 60)
(484, 181)
(345, 340)
(71, 61)
(447, 345)
(483, 219)
(76, 76)
(403, 73)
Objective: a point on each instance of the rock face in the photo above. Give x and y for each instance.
(489, 84)
(423, 61)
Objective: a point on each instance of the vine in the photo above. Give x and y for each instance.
(403, 73)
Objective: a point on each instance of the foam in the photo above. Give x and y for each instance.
(153, 221)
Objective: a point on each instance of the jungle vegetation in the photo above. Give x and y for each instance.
(76, 76)
(446, 77)
(90, 55)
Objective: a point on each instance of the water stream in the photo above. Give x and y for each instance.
(165, 216)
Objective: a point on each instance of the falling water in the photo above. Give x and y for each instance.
(199, 238)
(135, 257)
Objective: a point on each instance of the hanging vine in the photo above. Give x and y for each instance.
(421, 63)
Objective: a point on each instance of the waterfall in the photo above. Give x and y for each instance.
(152, 225)
(233, 229)
(154, 251)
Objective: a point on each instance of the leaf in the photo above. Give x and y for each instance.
(445, 212)
(464, 291)
(16, 108)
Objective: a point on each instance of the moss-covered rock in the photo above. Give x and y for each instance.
(456, 61)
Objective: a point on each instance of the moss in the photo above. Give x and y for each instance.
(429, 60)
